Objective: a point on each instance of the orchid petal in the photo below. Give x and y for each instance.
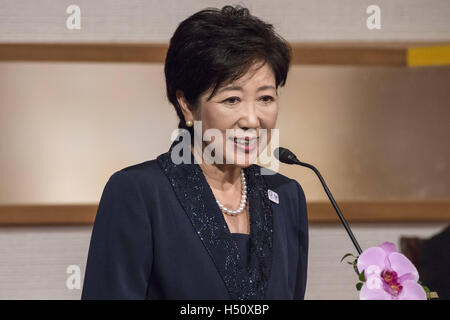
(371, 256)
(412, 291)
(407, 277)
(373, 294)
(401, 265)
(373, 281)
(388, 247)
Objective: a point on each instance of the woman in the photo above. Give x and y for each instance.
(203, 229)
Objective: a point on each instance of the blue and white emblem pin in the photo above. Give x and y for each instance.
(273, 196)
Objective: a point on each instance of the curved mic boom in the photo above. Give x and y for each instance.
(286, 156)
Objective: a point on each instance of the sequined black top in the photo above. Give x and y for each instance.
(159, 234)
(243, 243)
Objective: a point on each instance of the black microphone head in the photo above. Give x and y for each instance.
(286, 156)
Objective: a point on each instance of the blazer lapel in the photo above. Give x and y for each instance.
(198, 201)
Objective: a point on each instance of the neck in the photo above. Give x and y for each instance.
(220, 176)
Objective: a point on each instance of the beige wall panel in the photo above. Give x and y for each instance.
(374, 133)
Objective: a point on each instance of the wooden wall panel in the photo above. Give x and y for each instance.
(318, 212)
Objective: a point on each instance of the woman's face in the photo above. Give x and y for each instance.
(240, 109)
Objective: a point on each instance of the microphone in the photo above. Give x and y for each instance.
(286, 156)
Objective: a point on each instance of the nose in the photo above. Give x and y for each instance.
(249, 118)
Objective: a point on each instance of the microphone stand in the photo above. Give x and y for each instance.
(333, 202)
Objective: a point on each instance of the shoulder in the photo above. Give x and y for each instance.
(289, 192)
(277, 181)
(140, 175)
(146, 168)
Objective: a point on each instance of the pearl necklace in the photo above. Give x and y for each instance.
(243, 199)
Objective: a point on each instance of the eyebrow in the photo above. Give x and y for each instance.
(240, 88)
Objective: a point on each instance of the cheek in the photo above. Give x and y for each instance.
(269, 118)
(268, 122)
(214, 119)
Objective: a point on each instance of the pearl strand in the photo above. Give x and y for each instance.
(243, 199)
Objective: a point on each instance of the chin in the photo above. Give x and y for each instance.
(243, 165)
(244, 160)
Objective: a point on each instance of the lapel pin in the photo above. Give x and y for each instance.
(273, 196)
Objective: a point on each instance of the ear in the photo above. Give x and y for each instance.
(188, 115)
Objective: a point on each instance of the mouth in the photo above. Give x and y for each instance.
(245, 144)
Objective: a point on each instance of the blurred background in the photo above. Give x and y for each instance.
(370, 108)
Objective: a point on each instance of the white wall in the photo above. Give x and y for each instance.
(155, 20)
(35, 259)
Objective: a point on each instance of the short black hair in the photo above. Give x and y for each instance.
(215, 47)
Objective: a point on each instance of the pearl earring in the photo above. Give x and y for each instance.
(189, 123)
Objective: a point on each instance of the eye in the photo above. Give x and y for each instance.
(267, 99)
(231, 100)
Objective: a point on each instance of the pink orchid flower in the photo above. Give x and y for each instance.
(389, 275)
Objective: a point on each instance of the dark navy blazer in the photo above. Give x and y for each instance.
(159, 234)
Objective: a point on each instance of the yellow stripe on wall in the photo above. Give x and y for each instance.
(429, 56)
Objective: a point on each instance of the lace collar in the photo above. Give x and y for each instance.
(198, 201)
